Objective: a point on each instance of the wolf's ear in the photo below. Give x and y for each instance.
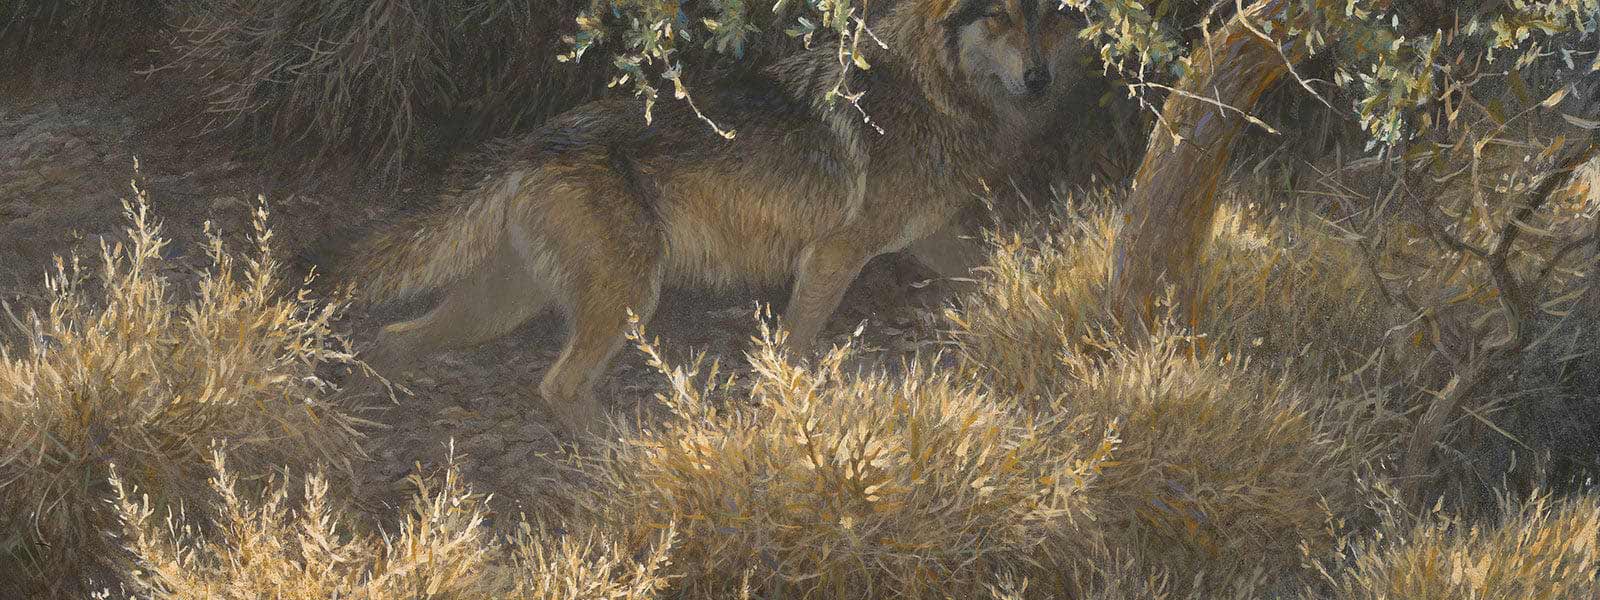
(966, 12)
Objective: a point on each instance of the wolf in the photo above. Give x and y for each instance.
(595, 211)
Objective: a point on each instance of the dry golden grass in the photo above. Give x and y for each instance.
(1542, 549)
(1239, 438)
(120, 369)
(1222, 471)
(1280, 292)
(304, 548)
(588, 566)
(1225, 452)
(263, 548)
(1305, 353)
(822, 483)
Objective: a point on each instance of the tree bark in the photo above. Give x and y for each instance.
(1173, 201)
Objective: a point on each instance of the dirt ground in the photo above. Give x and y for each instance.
(68, 140)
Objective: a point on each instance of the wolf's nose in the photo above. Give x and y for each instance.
(1037, 79)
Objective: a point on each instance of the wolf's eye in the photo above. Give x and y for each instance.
(971, 11)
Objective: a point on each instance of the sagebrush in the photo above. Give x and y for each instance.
(823, 482)
(125, 367)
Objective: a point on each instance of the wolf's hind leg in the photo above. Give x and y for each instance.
(826, 270)
(612, 252)
(598, 315)
(503, 293)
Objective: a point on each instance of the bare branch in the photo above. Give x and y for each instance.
(1517, 307)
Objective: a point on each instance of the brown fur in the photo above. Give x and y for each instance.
(593, 212)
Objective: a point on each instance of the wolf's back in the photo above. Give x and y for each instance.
(435, 249)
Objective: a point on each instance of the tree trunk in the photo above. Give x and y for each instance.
(1173, 201)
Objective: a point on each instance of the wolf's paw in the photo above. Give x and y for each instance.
(575, 418)
(387, 356)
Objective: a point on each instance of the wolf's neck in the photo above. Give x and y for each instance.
(917, 52)
(927, 125)
(905, 82)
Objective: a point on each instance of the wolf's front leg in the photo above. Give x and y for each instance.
(826, 270)
(949, 253)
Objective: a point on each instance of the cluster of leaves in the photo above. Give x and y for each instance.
(1393, 59)
(1400, 63)
(651, 34)
(1133, 38)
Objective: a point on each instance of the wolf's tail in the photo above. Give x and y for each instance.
(435, 249)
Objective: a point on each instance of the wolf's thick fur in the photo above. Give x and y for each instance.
(592, 213)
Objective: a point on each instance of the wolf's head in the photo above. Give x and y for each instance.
(1010, 48)
(1017, 57)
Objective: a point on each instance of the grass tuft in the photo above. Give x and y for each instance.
(264, 548)
(822, 482)
(1543, 548)
(120, 369)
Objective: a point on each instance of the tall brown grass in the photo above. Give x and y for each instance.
(1173, 466)
(398, 83)
(590, 564)
(303, 546)
(1222, 472)
(123, 367)
(1541, 548)
(33, 29)
(1282, 292)
(1240, 437)
(390, 81)
(262, 547)
(1231, 450)
(1309, 346)
(824, 483)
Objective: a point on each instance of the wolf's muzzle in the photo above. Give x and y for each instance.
(1036, 79)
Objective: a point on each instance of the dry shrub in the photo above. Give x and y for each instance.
(1115, 575)
(1239, 440)
(263, 548)
(1542, 549)
(822, 483)
(389, 80)
(592, 565)
(1222, 471)
(122, 370)
(1278, 291)
(399, 83)
(31, 30)
(1477, 236)
(1034, 300)
(305, 547)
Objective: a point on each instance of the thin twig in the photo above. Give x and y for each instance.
(1244, 21)
(1214, 102)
